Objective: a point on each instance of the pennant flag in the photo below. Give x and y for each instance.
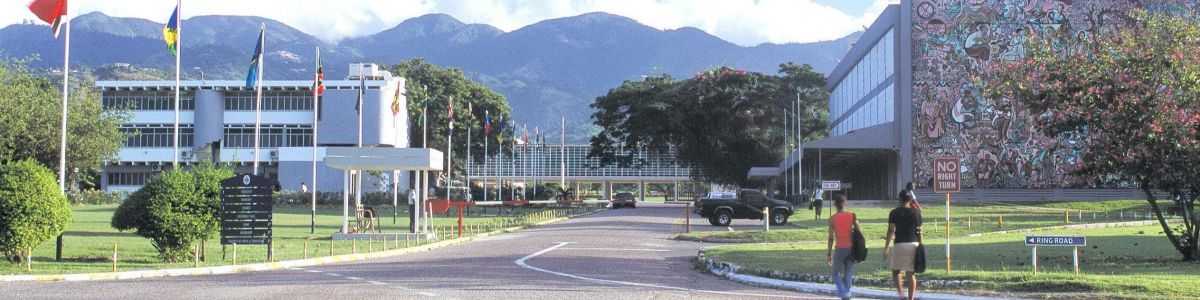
(171, 32)
(396, 100)
(487, 123)
(362, 87)
(500, 131)
(252, 75)
(320, 84)
(50, 11)
(513, 127)
(527, 134)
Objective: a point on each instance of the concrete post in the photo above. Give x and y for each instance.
(641, 191)
(676, 190)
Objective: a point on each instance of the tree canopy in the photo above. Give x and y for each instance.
(720, 123)
(430, 87)
(1131, 98)
(31, 116)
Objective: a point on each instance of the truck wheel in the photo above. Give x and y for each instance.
(723, 218)
(713, 221)
(778, 217)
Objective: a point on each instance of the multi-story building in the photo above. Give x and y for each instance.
(550, 163)
(903, 96)
(217, 121)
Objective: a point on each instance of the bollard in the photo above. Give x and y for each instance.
(370, 244)
(331, 247)
(271, 251)
(114, 260)
(935, 224)
(968, 223)
(305, 255)
(1093, 216)
(405, 240)
(385, 242)
(1000, 221)
(1121, 215)
(396, 239)
(195, 256)
(353, 246)
(1079, 216)
(1066, 217)
(234, 254)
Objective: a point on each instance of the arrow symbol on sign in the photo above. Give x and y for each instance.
(1030, 240)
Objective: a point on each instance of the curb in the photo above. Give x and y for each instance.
(729, 271)
(1076, 226)
(230, 269)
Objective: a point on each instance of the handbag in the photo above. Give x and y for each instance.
(859, 245)
(919, 259)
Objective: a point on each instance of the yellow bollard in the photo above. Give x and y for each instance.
(1066, 217)
(968, 223)
(305, 255)
(935, 224)
(114, 260)
(370, 244)
(396, 239)
(235, 254)
(353, 246)
(331, 247)
(406, 240)
(1001, 222)
(271, 251)
(195, 256)
(385, 242)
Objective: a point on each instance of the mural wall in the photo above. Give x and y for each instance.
(953, 39)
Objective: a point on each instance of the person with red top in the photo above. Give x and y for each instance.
(841, 258)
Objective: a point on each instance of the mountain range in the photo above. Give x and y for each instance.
(545, 70)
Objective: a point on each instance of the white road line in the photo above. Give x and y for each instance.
(333, 274)
(427, 294)
(353, 278)
(617, 249)
(521, 262)
(376, 283)
(313, 271)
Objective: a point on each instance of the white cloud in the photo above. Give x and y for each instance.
(744, 22)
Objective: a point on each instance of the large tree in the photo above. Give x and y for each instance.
(31, 116)
(720, 123)
(1132, 99)
(430, 87)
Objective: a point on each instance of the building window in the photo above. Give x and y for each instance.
(147, 100)
(129, 179)
(157, 135)
(276, 136)
(271, 101)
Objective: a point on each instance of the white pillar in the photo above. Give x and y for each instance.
(642, 191)
(676, 189)
(345, 200)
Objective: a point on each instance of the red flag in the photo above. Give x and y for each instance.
(51, 11)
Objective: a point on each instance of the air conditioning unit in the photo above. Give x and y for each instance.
(156, 168)
(274, 154)
(186, 154)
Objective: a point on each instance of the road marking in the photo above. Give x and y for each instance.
(617, 249)
(313, 271)
(353, 278)
(427, 294)
(333, 274)
(521, 262)
(376, 283)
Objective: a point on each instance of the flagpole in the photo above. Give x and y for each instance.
(512, 169)
(525, 165)
(562, 148)
(470, 116)
(316, 103)
(178, 54)
(258, 98)
(62, 151)
(449, 150)
(485, 157)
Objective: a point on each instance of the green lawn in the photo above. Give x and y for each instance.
(982, 216)
(1127, 262)
(89, 239)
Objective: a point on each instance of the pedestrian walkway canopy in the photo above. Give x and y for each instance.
(354, 159)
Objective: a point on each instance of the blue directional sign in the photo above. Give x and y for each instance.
(1043, 240)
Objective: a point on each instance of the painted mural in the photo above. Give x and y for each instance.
(953, 39)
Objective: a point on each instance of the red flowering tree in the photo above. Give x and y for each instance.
(1133, 97)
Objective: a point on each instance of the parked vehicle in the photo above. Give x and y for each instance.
(747, 204)
(623, 199)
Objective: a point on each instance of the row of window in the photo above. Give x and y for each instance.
(878, 110)
(275, 101)
(147, 100)
(870, 72)
(158, 136)
(272, 137)
(116, 178)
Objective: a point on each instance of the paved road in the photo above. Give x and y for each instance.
(614, 254)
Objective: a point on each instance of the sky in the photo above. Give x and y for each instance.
(743, 22)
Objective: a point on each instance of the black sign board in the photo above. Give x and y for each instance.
(246, 210)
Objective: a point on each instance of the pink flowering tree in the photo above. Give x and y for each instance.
(1133, 97)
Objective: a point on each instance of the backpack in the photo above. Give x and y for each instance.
(858, 249)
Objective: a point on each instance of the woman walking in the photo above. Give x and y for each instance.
(840, 258)
(904, 228)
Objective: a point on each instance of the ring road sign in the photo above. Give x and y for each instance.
(1065, 241)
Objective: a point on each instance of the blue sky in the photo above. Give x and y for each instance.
(743, 22)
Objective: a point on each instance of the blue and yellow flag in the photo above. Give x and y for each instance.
(171, 32)
(252, 76)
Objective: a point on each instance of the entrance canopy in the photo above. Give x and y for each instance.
(384, 159)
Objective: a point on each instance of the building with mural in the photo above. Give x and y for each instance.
(902, 96)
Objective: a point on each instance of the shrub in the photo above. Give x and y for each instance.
(175, 209)
(93, 197)
(32, 210)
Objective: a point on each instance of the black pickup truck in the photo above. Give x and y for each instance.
(748, 204)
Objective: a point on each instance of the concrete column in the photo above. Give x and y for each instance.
(607, 190)
(641, 191)
(676, 190)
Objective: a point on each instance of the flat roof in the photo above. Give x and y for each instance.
(115, 85)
